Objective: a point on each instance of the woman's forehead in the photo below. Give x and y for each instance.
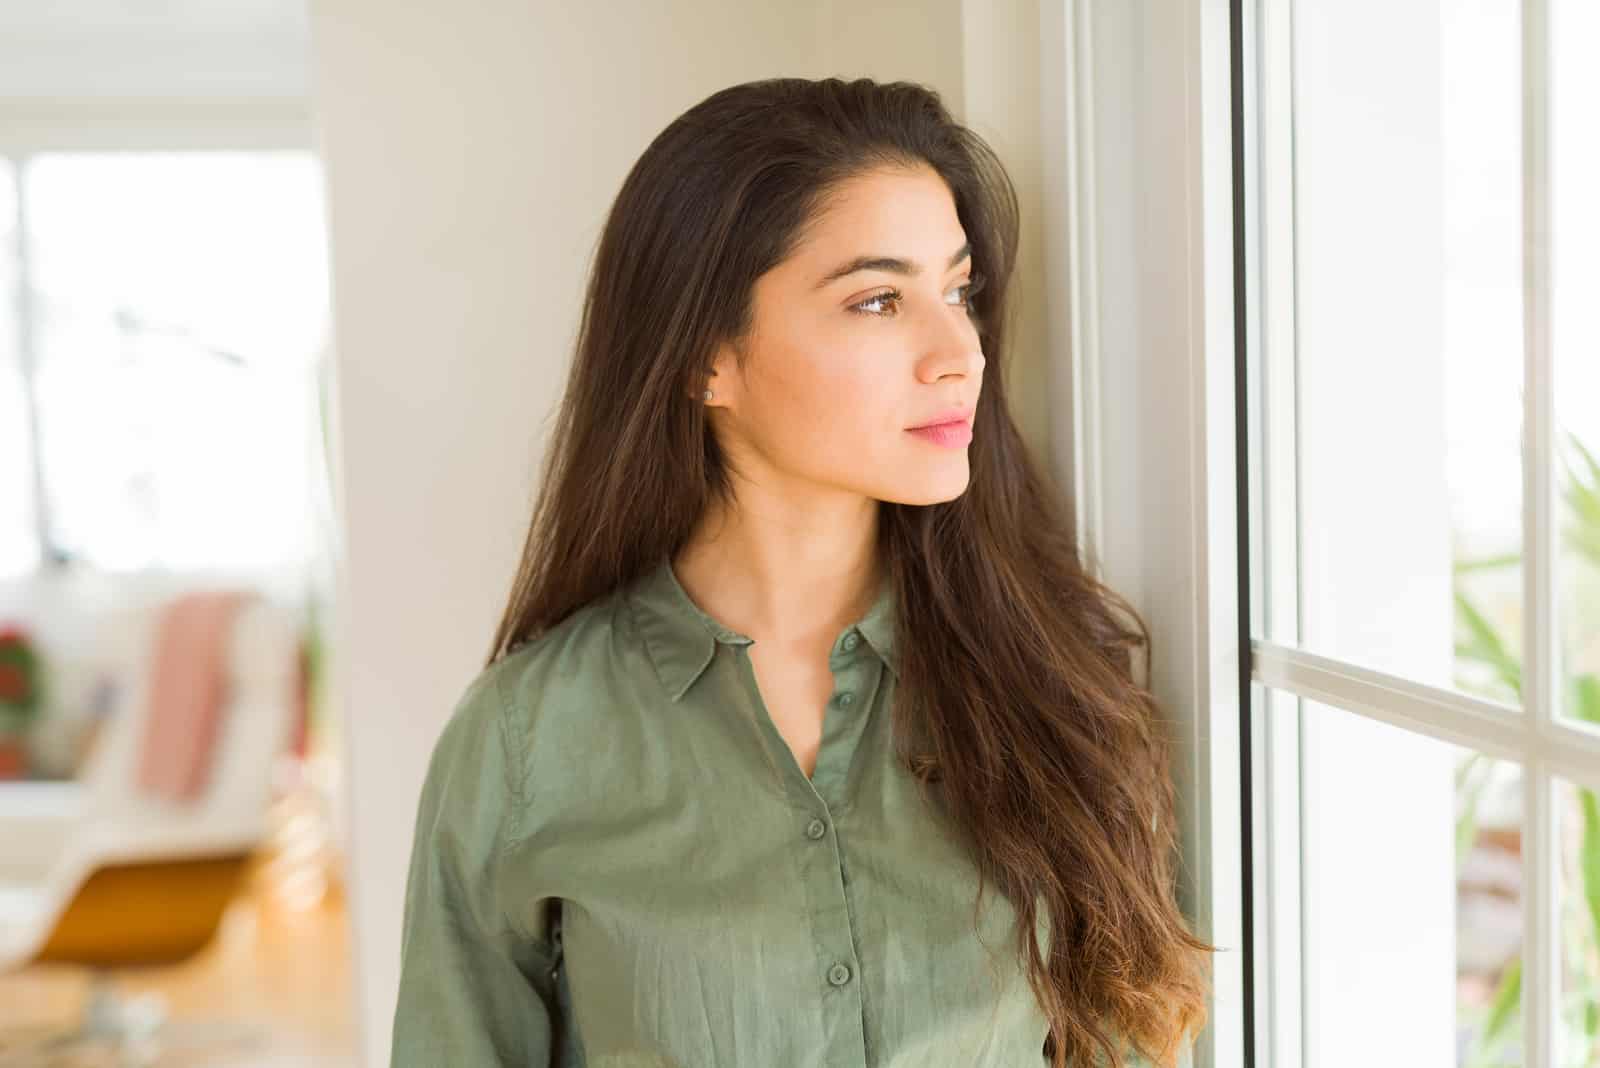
(897, 222)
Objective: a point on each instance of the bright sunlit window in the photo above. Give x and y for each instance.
(160, 398)
(1429, 509)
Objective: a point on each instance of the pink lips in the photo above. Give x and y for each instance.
(951, 435)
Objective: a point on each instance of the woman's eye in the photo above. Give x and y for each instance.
(866, 307)
(972, 286)
(894, 296)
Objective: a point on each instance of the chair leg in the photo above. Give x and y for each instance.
(110, 1015)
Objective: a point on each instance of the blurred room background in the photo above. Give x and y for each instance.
(169, 761)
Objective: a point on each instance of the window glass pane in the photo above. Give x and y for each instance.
(1578, 924)
(19, 548)
(1407, 298)
(1412, 884)
(181, 304)
(1575, 270)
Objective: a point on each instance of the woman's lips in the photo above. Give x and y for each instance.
(952, 435)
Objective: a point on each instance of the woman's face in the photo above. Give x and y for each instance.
(840, 368)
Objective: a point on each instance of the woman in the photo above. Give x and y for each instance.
(788, 682)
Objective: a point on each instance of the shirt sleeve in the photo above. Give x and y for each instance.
(474, 988)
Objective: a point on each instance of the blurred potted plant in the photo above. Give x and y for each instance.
(21, 698)
(1481, 643)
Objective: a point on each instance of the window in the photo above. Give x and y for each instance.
(1333, 369)
(1423, 454)
(160, 394)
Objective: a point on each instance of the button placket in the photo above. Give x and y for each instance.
(819, 804)
(848, 710)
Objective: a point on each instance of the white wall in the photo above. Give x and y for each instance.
(471, 156)
(179, 50)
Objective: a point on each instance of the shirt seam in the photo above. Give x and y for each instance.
(515, 769)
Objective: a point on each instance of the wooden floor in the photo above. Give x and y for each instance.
(279, 966)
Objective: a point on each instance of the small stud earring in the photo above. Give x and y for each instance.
(708, 394)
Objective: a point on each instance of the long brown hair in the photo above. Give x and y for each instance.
(1016, 704)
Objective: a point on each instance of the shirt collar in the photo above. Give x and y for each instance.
(682, 639)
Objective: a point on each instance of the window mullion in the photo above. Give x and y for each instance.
(27, 341)
(1446, 714)
(1274, 527)
(1541, 690)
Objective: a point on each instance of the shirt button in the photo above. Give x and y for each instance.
(816, 829)
(851, 640)
(844, 700)
(839, 975)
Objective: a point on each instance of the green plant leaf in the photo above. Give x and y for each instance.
(1484, 644)
(1507, 1000)
(1586, 697)
(1589, 855)
(1487, 563)
(1467, 822)
(1465, 768)
(1587, 480)
(1583, 497)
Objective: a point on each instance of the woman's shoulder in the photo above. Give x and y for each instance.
(581, 651)
(555, 700)
(555, 682)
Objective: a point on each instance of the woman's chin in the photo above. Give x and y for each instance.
(935, 487)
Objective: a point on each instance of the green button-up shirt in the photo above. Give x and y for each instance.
(619, 863)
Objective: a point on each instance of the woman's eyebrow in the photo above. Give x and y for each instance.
(893, 264)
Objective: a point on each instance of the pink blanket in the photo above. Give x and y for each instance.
(188, 692)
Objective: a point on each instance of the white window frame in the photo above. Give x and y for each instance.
(1543, 745)
(1139, 141)
(1136, 142)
